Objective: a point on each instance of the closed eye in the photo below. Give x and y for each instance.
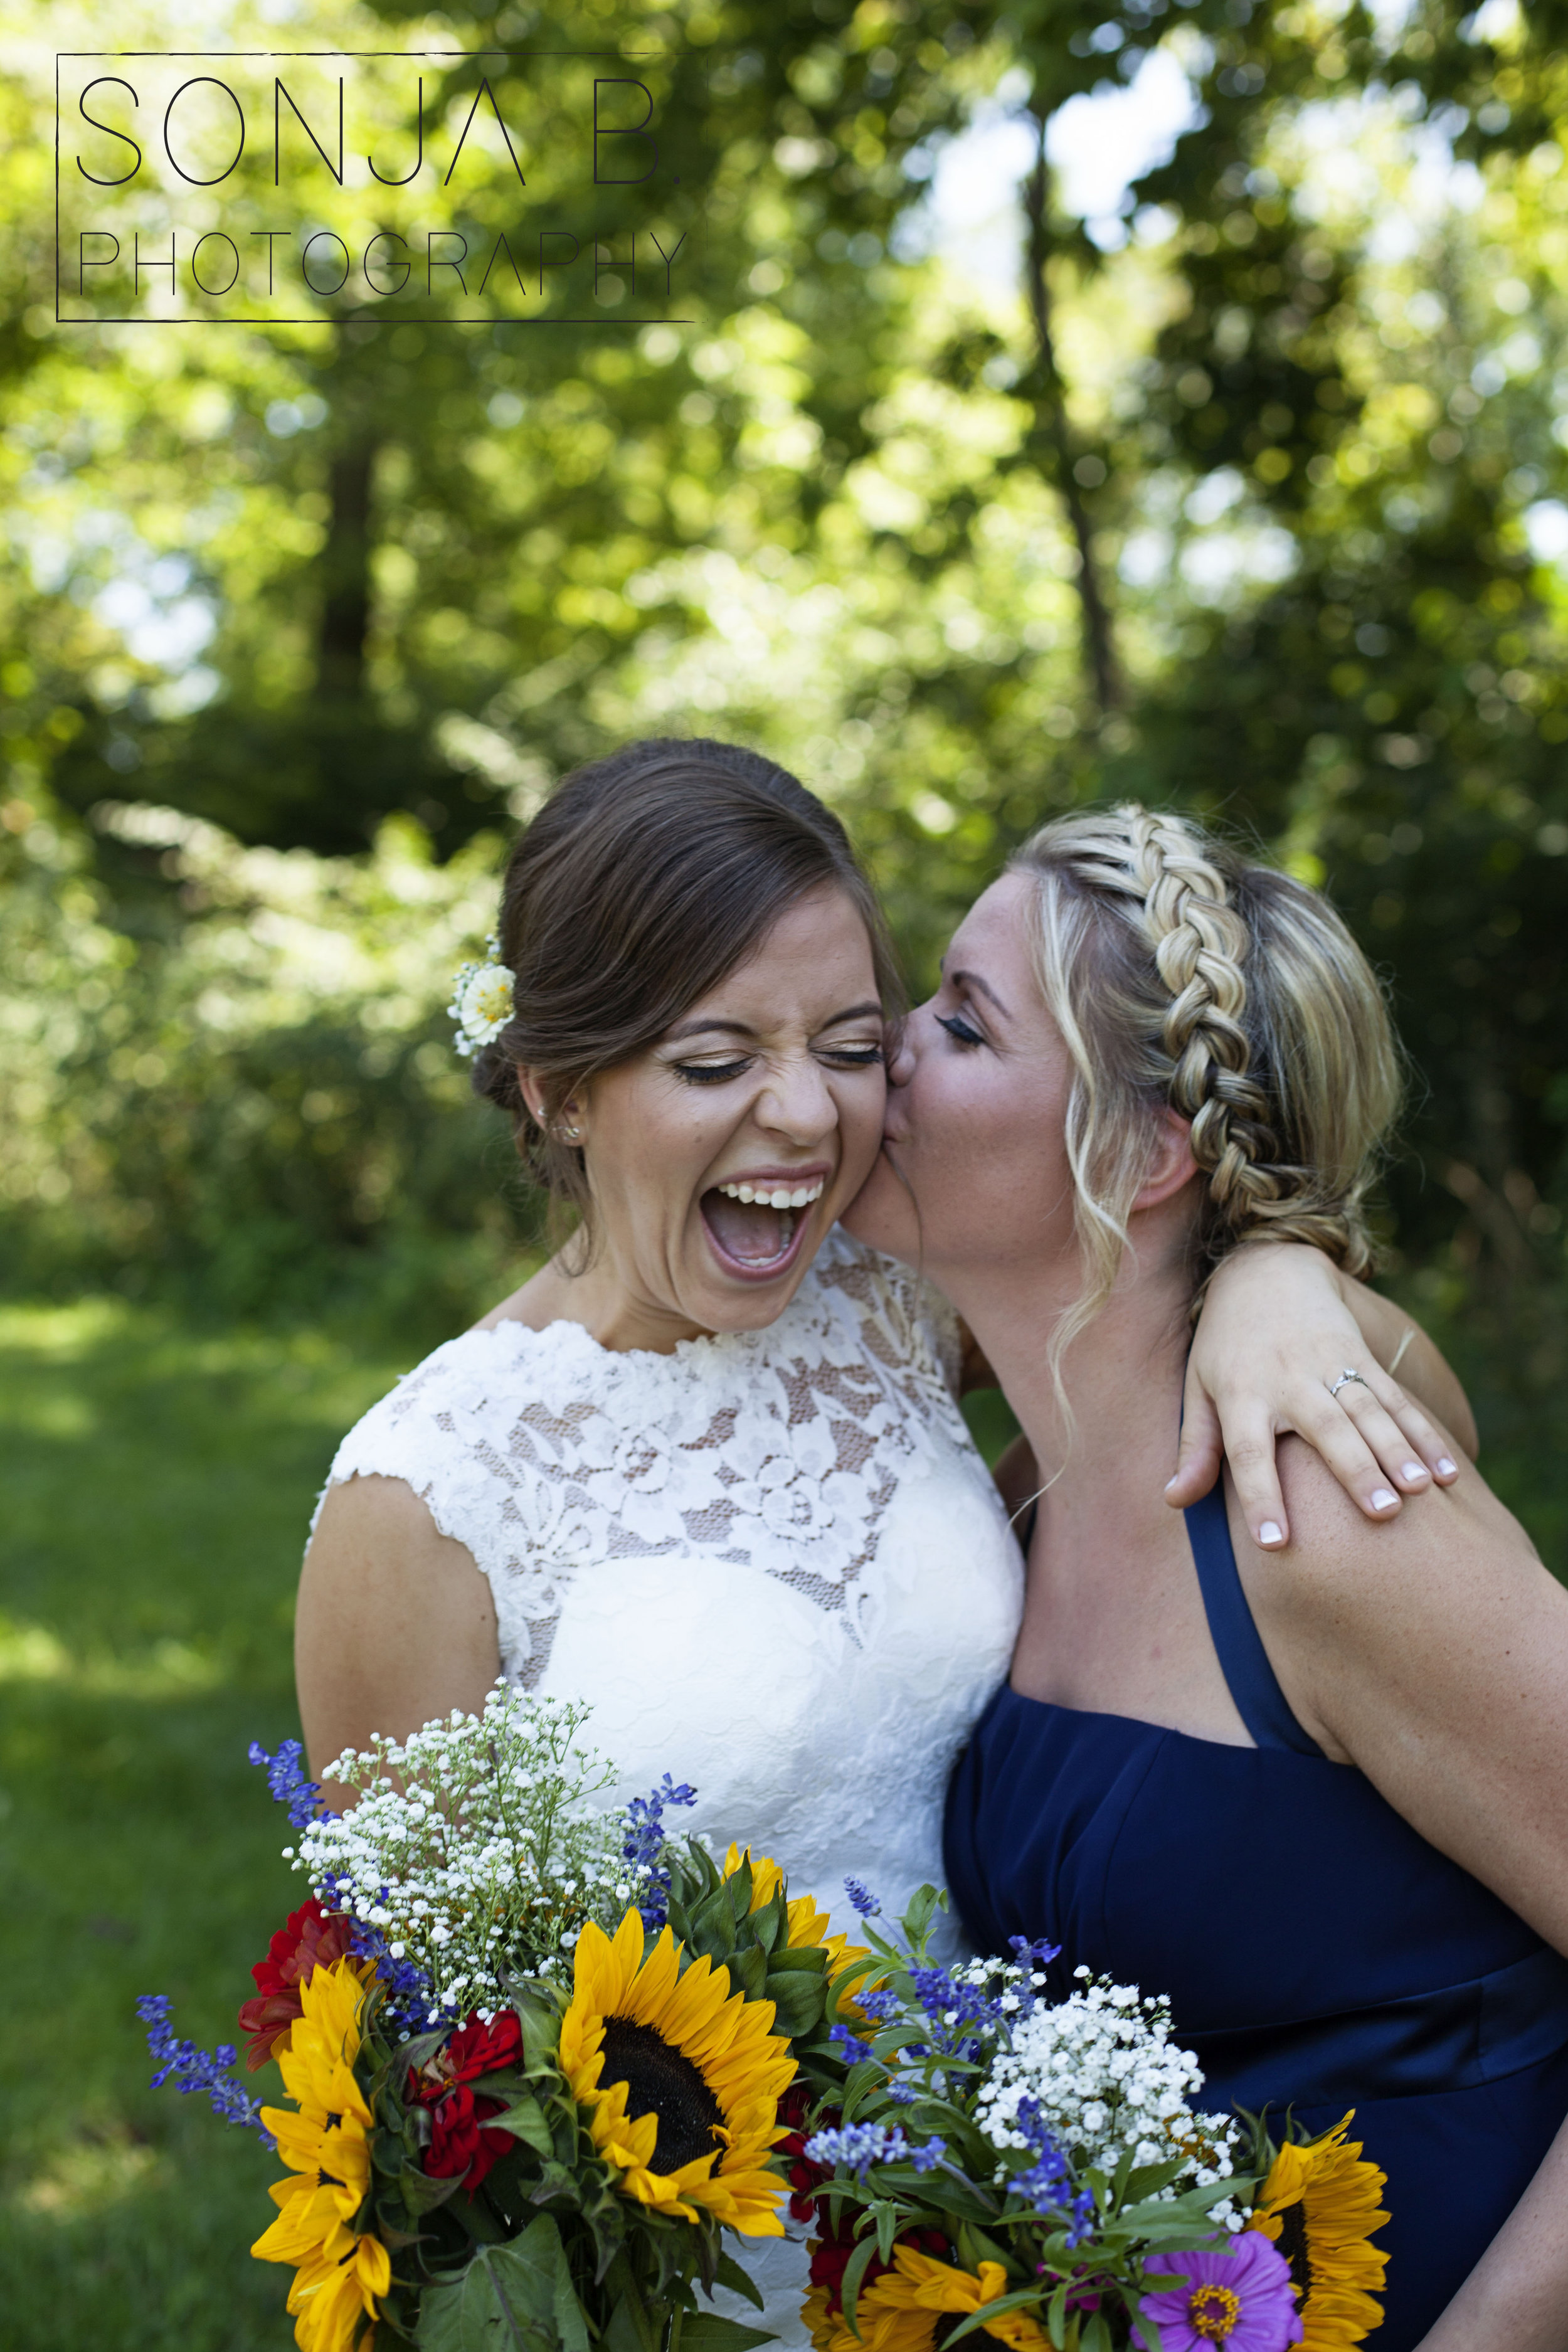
(959, 1030)
(842, 1057)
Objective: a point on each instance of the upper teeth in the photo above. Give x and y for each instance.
(801, 1198)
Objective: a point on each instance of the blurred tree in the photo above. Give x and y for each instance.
(1248, 499)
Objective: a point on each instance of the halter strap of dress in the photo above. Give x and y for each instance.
(1244, 1660)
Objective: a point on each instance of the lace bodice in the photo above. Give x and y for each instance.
(773, 1563)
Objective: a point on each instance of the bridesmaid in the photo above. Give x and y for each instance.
(1318, 1794)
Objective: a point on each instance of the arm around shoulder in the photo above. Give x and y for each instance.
(395, 1624)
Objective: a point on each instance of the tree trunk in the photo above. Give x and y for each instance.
(346, 576)
(1050, 411)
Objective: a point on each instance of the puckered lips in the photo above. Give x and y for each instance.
(756, 1219)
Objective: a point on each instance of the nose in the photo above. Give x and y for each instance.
(906, 1044)
(797, 1101)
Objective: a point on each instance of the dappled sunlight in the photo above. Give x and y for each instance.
(31, 1653)
(98, 2166)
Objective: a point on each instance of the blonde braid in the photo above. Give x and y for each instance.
(1200, 945)
(1179, 972)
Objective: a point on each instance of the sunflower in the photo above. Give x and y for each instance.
(1320, 2205)
(681, 2075)
(340, 2271)
(806, 1926)
(901, 2311)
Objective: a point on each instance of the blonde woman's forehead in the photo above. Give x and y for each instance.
(992, 943)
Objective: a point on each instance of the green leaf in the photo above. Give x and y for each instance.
(421, 2193)
(707, 2331)
(797, 1999)
(854, 2271)
(803, 1959)
(628, 2329)
(526, 2122)
(1097, 2335)
(728, 2272)
(749, 1970)
(516, 2297)
(922, 1910)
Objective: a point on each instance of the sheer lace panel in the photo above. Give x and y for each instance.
(780, 1450)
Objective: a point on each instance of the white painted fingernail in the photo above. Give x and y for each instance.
(1270, 1532)
(1383, 1500)
(1447, 1469)
(1413, 1470)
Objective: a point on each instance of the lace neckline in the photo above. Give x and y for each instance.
(574, 1334)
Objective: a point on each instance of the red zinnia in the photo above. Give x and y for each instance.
(313, 1939)
(458, 2139)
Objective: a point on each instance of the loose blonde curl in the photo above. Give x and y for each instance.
(1181, 973)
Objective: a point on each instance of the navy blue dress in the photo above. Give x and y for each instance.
(1316, 1950)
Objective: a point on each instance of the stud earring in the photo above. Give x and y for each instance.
(571, 1134)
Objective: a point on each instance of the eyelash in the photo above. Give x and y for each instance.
(708, 1073)
(958, 1029)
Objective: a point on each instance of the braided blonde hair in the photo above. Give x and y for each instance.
(1179, 972)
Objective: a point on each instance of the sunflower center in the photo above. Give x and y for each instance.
(1213, 2311)
(1292, 2243)
(665, 2083)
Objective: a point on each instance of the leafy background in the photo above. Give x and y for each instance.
(1246, 491)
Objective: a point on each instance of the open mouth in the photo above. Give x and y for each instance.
(755, 1230)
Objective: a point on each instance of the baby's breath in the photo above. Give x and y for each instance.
(1101, 2071)
(474, 1850)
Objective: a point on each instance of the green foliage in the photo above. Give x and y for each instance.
(252, 1092)
(1252, 512)
(711, 1916)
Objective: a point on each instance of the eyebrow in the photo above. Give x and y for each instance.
(973, 979)
(701, 1025)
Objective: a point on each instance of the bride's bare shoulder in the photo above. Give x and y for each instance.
(395, 1624)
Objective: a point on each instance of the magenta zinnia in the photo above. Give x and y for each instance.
(1225, 2295)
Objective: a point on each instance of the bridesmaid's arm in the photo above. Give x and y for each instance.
(1433, 1655)
(1514, 2299)
(1279, 1323)
(394, 1624)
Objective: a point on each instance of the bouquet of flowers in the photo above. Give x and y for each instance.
(541, 2056)
(526, 2103)
(980, 2159)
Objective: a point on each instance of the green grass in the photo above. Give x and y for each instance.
(158, 1481)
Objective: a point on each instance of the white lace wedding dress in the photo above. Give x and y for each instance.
(773, 1563)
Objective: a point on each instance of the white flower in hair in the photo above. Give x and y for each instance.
(482, 1000)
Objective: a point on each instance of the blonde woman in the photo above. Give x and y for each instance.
(1317, 1795)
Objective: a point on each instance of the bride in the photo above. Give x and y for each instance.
(706, 1470)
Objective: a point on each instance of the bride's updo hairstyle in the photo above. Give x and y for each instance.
(1180, 973)
(644, 878)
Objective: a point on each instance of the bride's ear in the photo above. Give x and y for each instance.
(1172, 1164)
(567, 1123)
(532, 1088)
